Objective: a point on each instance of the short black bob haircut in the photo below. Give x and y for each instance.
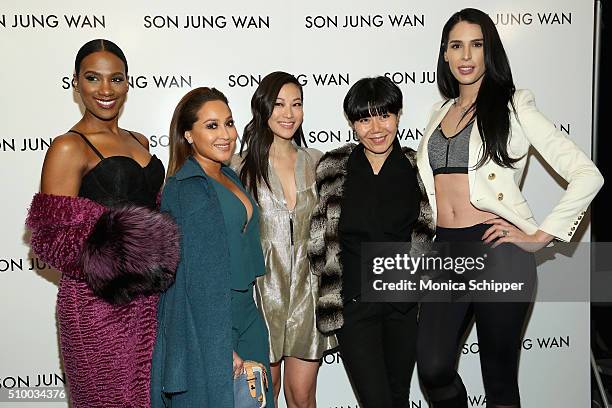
(372, 97)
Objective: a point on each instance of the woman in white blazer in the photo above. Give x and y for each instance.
(471, 160)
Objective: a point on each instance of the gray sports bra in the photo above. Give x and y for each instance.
(449, 155)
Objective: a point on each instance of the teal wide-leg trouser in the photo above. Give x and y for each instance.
(250, 335)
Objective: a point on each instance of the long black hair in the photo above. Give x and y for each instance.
(258, 136)
(495, 92)
(96, 45)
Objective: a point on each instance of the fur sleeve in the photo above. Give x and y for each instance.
(60, 225)
(323, 246)
(324, 243)
(316, 244)
(121, 252)
(131, 251)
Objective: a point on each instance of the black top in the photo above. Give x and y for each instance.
(375, 208)
(120, 180)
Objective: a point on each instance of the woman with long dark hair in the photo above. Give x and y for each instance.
(95, 220)
(208, 321)
(471, 159)
(280, 174)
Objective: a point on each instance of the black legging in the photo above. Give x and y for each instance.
(499, 325)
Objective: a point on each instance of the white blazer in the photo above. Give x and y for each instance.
(496, 189)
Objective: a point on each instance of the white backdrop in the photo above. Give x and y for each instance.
(549, 43)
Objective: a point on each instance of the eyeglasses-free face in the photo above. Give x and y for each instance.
(102, 84)
(213, 136)
(465, 53)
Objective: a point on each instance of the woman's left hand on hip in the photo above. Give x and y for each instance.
(501, 231)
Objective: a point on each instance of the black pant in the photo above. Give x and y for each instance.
(499, 326)
(378, 344)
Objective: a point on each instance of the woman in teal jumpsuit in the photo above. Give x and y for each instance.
(249, 332)
(209, 314)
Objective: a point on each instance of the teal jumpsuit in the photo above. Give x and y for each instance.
(249, 332)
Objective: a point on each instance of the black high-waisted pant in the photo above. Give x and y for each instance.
(442, 326)
(377, 344)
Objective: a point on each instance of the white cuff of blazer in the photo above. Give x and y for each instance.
(570, 234)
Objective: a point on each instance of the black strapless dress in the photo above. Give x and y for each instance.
(120, 180)
(107, 348)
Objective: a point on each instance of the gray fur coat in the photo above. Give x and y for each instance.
(324, 244)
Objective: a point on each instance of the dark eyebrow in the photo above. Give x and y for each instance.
(217, 119)
(98, 73)
(459, 41)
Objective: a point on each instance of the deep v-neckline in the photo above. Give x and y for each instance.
(244, 207)
(277, 186)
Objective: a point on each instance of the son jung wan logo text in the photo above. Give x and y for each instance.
(206, 22)
(41, 21)
(161, 81)
(348, 135)
(528, 18)
(29, 144)
(364, 21)
(316, 78)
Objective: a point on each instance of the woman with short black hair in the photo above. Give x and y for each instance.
(368, 192)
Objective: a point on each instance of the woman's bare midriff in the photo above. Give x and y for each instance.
(453, 202)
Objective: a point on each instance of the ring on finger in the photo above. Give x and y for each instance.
(505, 232)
